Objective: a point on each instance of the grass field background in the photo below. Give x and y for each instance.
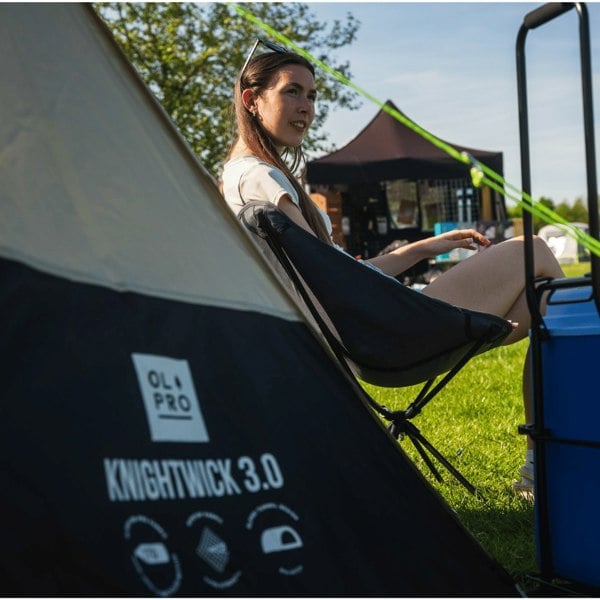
(474, 422)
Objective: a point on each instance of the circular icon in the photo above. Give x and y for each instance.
(275, 528)
(212, 550)
(157, 567)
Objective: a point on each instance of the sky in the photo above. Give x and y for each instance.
(451, 68)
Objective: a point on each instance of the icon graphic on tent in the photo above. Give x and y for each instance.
(152, 554)
(213, 550)
(280, 539)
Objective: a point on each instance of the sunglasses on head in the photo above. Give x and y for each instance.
(266, 44)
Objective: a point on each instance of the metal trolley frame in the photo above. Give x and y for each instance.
(535, 288)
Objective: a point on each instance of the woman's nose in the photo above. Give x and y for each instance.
(306, 106)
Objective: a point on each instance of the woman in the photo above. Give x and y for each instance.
(274, 103)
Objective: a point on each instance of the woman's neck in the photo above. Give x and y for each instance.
(240, 148)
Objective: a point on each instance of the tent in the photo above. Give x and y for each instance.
(564, 246)
(386, 149)
(170, 425)
(389, 183)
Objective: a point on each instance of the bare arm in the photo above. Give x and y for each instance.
(405, 257)
(291, 210)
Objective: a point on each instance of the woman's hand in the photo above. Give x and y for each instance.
(397, 261)
(458, 238)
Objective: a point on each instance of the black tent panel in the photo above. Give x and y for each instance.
(157, 447)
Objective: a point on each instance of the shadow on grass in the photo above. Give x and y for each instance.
(509, 536)
(507, 533)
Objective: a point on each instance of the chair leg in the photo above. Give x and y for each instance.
(426, 394)
(400, 424)
(423, 446)
(416, 443)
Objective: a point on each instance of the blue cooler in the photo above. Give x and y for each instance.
(570, 358)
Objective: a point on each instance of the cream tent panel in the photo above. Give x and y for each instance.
(96, 183)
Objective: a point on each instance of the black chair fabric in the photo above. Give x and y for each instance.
(390, 335)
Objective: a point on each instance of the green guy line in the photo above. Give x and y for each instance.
(480, 173)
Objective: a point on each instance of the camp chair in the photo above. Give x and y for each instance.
(380, 331)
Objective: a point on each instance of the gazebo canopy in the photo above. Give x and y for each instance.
(386, 150)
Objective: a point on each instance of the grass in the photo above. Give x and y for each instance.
(577, 269)
(473, 422)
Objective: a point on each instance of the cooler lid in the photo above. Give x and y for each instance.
(572, 312)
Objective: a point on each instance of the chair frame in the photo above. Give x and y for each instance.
(399, 421)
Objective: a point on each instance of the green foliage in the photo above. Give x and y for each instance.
(576, 212)
(473, 422)
(189, 54)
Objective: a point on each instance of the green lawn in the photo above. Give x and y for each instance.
(577, 269)
(473, 422)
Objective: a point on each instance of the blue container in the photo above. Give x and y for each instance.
(457, 254)
(443, 227)
(571, 405)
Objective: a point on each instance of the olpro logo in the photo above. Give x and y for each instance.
(170, 399)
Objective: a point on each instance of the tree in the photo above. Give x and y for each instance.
(579, 212)
(572, 213)
(517, 212)
(563, 210)
(190, 54)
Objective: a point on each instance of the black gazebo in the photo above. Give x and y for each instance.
(390, 183)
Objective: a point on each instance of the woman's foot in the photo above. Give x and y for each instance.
(525, 487)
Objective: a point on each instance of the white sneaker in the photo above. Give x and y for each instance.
(525, 487)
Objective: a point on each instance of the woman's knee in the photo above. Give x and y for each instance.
(546, 264)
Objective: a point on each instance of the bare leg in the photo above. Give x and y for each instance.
(493, 281)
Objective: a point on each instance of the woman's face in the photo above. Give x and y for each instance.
(286, 109)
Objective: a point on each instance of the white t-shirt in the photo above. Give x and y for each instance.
(247, 178)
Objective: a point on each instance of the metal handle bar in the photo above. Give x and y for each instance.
(532, 20)
(546, 13)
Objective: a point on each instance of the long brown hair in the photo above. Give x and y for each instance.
(258, 75)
